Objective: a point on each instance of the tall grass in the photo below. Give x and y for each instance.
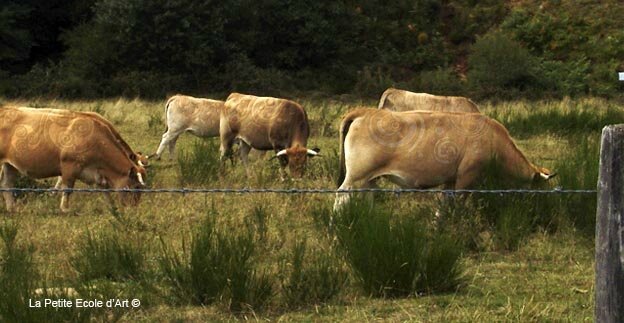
(309, 279)
(109, 255)
(220, 265)
(394, 255)
(200, 164)
(579, 170)
(21, 286)
(568, 118)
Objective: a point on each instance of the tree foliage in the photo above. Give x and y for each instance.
(156, 47)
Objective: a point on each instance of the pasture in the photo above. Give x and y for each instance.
(515, 257)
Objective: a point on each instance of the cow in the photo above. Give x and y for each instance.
(76, 146)
(137, 157)
(401, 100)
(266, 123)
(425, 149)
(186, 113)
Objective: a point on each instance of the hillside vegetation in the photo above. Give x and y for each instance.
(152, 48)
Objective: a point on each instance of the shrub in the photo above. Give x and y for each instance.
(443, 81)
(311, 280)
(395, 256)
(498, 64)
(372, 82)
(109, 256)
(200, 164)
(219, 265)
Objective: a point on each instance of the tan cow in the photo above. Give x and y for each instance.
(137, 157)
(266, 123)
(424, 149)
(401, 100)
(186, 113)
(75, 146)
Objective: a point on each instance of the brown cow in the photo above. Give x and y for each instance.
(75, 146)
(137, 157)
(186, 113)
(424, 149)
(266, 123)
(401, 100)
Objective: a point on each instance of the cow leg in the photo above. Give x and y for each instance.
(243, 150)
(69, 174)
(169, 139)
(343, 198)
(225, 150)
(67, 183)
(172, 144)
(9, 174)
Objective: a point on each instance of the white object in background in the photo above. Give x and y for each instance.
(621, 74)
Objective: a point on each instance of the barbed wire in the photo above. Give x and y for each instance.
(556, 190)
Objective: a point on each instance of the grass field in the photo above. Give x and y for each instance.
(530, 258)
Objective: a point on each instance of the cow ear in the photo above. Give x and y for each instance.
(133, 157)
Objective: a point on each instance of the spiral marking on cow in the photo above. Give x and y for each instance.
(392, 132)
(446, 151)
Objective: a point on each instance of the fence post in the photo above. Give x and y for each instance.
(610, 227)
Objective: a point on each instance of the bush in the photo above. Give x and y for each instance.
(311, 280)
(109, 256)
(394, 256)
(219, 265)
(443, 81)
(200, 164)
(498, 64)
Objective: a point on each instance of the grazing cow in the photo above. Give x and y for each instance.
(137, 157)
(75, 146)
(266, 123)
(424, 149)
(185, 113)
(401, 100)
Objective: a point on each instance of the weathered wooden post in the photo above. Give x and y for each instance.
(610, 227)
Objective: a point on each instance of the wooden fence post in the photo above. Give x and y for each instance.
(610, 227)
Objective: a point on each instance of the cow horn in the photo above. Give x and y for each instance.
(281, 153)
(141, 163)
(547, 176)
(140, 177)
(312, 152)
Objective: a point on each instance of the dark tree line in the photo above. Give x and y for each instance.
(154, 47)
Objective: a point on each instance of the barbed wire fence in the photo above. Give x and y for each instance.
(556, 190)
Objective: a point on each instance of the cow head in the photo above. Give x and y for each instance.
(139, 158)
(135, 180)
(543, 174)
(296, 157)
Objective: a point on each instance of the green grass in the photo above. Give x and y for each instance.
(219, 265)
(543, 272)
(392, 254)
(311, 278)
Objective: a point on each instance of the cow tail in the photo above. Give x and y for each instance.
(344, 129)
(383, 99)
(171, 99)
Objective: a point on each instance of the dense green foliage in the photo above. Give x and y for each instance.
(488, 48)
